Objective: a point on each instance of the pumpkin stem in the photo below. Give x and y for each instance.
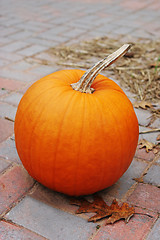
(84, 84)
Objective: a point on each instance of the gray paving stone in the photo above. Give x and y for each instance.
(7, 110)
(30, 27)
(3, 92)
(29, 51)
(151, 137)
(3, 164)
(17, 75)
(155, 232)
(12, 47)
(107, 28)
(4, 41)
(43, 42)
(12, 22)
(62, 20)
(22, 65)
(55, 31)
(123, 30)
(74, 33)
(12, 57)
(9, 31)
(54, 37)
(21, 35)
(8, 151)
(43, 70)
(78, 24)
(153, 176)
(119, 189)
(156, 123)
(4, 62)
(140, 33)
(39, 23)
(13, 98)
(143, 116)
(49, 222)
(129, 22)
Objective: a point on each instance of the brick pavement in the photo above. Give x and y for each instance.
(28, 28)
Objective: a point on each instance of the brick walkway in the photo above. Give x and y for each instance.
(27, 29)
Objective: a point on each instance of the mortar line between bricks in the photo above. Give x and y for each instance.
(132, 188)
(129, 192)
(95, 233)
(141, 160)
(8, 168)
(8, 119)
(151, 227)
(21, 226)
(4, 159)
(150, 164)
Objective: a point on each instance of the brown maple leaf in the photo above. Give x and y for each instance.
(102, 210)
(143, 143)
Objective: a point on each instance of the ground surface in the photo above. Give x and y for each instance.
(28, 29)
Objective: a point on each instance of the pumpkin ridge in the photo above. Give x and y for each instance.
(101, 182)
(20, 120)
(126, 126)
(30, 141)
(58, 137)
(116, 133)
(78, 152)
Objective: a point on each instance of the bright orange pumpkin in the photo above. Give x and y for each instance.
(75, 142)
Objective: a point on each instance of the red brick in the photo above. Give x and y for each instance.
(10, 84)
(142, 154)
(137, 227)
(12, 231)
(14, 183)
(146, 196)
(6, 129)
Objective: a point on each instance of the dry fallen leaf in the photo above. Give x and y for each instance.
(158, 137)
(143, 143)
(102, 210)
(143, 104)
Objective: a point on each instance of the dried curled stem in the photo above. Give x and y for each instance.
(84, 84)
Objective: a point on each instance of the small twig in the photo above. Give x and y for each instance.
(9, 119)
(150, 130)
(129, 68)
(144, 214)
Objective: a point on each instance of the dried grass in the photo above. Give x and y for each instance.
(138, 71)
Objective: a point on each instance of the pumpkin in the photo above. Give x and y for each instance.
(76, 132)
